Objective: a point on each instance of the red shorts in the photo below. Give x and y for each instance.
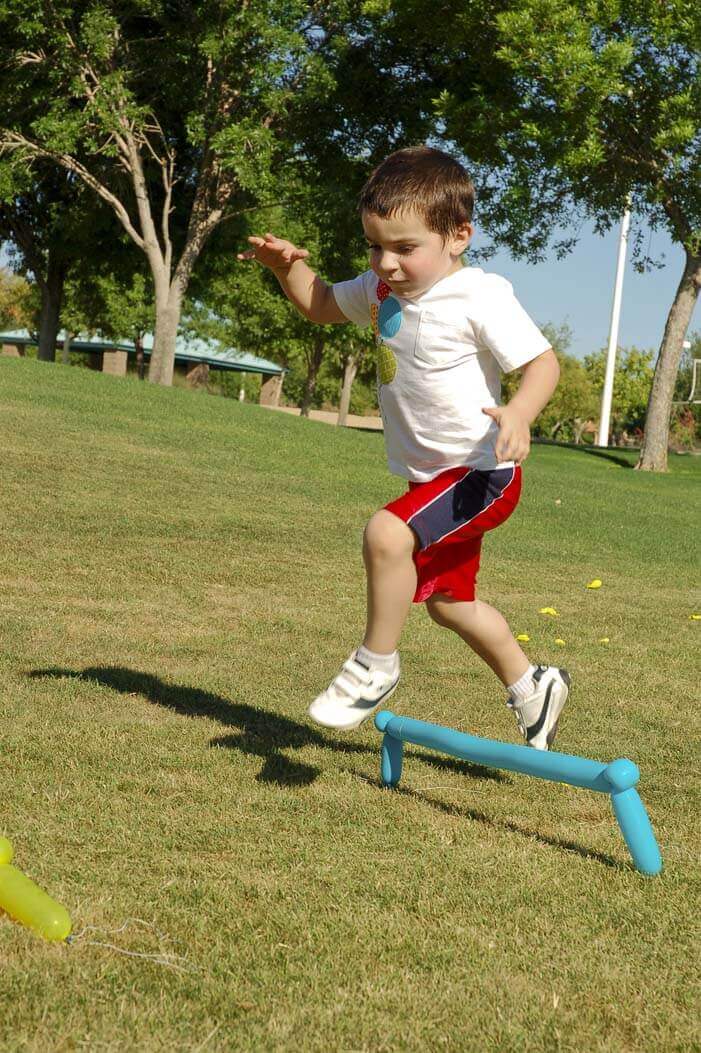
(449, 515)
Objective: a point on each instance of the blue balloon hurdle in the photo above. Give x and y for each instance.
(618, 778)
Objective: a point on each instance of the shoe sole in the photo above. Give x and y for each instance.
(365, 716)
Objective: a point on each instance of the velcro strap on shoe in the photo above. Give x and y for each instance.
(351, 688)
(360, 672)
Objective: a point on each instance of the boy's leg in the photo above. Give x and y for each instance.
(388, 549)
(371, 674)
(485, 630)
(538, 693)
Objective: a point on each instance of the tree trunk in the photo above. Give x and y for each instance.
(168, 307)
(139, 345)
(66, 350)
(349, 374)
(51, 296)
(313, 363)
(653, 455)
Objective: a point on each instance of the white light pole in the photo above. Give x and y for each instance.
(602, 438)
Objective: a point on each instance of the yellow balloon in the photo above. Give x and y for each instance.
(6, 852)
(27, 903)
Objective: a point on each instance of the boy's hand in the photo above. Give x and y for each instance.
(273, 252)
(514, 439)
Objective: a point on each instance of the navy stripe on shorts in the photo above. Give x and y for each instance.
(459, 505)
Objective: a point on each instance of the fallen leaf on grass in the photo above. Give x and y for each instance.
(549, 610)
(595, 584)
(523, 637)
(560, 642)
(604, 639)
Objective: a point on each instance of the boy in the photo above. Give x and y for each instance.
(444, 331)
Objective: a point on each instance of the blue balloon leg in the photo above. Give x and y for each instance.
(637, 831)
(391, 760)
(617, 778)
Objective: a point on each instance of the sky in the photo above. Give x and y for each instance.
(579, 290)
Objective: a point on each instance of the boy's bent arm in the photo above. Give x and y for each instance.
(539, 379)
(309, 293)
(538, 382)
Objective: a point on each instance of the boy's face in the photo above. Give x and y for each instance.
(409, 257)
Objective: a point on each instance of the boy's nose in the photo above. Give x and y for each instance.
(388, 263)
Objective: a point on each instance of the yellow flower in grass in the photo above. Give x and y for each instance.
(560, 643)
(595, 584)
(549, 610)
(523, 637)
(604, 639)
(695, 617)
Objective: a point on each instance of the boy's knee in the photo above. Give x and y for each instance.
(387, 536)
(444, 612)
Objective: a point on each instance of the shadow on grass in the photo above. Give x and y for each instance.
(503, 824)
(259, 732)
(592, 451)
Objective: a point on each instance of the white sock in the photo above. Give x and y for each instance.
(388, 663)
(523, 688)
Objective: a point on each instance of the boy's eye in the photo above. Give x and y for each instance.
(402, 250)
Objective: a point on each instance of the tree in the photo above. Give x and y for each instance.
(686, 419)
(172, 155)
(313, 211)
(597, 105)
(44, 218)
(16, 301)
(632, 381)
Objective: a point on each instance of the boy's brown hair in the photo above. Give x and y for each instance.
(424, 179)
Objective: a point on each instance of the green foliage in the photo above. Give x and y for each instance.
(79, 88)
(17, 301)
(632, 381)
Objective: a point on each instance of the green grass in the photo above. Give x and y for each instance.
(179, 576)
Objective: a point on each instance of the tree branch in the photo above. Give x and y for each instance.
(11, 140)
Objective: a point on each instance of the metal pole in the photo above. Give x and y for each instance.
(606, 395)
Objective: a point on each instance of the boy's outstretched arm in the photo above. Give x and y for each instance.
(311, 296)
(538, 382)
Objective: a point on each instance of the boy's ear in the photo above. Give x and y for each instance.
(463, 237)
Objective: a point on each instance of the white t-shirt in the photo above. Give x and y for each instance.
(439, 363)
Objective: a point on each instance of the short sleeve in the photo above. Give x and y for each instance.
(506, 328)
(353, 298)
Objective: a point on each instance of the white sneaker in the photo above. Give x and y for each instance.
(353, 695)
(539, 714)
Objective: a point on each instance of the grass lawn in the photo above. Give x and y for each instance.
(179, 576)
